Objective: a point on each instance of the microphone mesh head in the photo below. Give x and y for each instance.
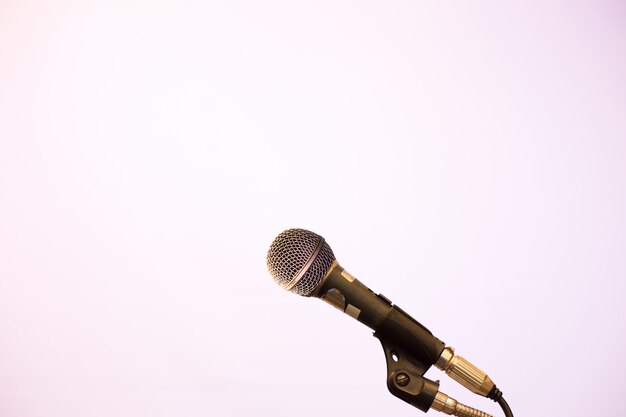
(290, 252)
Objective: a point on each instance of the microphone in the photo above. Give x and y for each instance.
(302, 262)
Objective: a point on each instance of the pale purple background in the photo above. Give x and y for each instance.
(468, 161)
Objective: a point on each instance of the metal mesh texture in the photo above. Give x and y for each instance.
(288, 254)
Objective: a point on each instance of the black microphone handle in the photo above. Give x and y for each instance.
(390, 323)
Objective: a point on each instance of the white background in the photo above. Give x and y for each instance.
(467, 161)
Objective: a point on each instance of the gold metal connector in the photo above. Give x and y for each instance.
(463, 372)
(451, 406)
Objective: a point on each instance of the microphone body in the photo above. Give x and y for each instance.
(390, 323)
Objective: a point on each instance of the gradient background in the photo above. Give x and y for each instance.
(468, 161)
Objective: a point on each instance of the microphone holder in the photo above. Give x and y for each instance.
(405, 377)
(405, 380)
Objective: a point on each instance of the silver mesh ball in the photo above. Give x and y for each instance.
(290, 252)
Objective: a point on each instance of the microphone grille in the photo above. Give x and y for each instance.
(290, 252)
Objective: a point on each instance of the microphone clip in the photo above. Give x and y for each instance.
(405, 378)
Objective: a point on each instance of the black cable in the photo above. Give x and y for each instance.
(505, 407)
(496, 395)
